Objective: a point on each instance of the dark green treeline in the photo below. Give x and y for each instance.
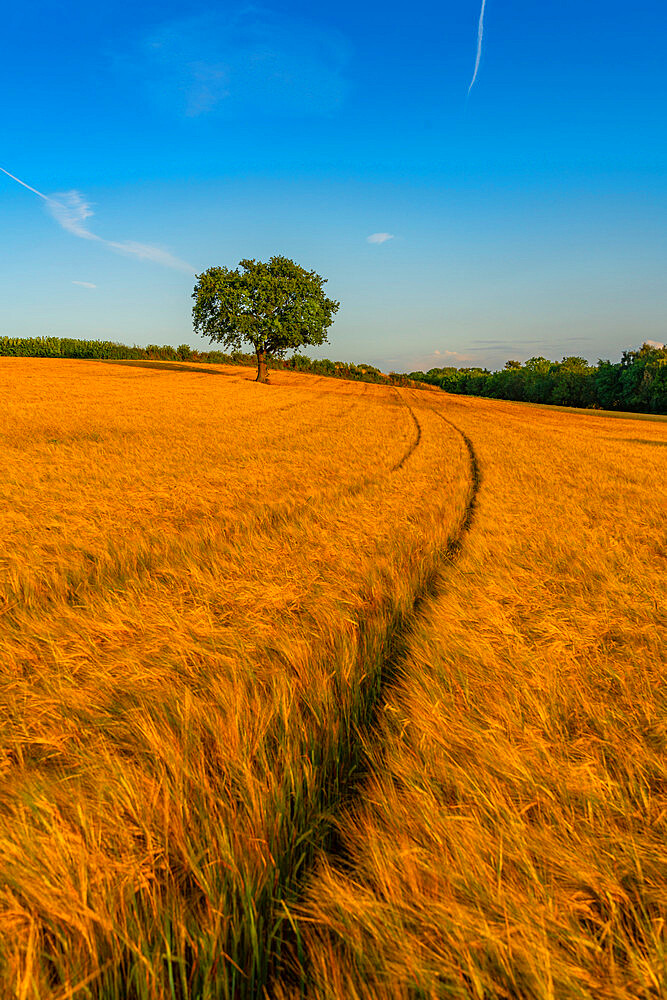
(637, 383)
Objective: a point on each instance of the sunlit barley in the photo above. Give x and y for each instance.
(201, 581)
(509, 840)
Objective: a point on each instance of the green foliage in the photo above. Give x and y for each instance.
(64, 347)
(300, 363)
(273, 306)
(164, 353)
(183, 352)
(536, 377)
(642, 379)
(572, 383)
(324, 367)
(638, 383)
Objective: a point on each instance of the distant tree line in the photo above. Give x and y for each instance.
(65, 347)
(637, 383)
(345, 369)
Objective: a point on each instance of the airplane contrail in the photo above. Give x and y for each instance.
(19, 181)
(70, 210)
(480, 35)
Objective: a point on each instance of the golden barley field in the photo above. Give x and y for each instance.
(326, 689)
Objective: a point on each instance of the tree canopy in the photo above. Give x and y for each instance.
(274, 306)
(637, 383)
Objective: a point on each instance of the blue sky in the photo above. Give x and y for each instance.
(526, 217)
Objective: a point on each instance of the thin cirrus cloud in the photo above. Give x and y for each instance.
(224, 63)
(379, 237)
(424, 362)
(480, 38)
(71, 211)
(444, 358)
(84, 284)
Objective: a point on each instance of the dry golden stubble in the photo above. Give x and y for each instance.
(510, 839)
(169, 739)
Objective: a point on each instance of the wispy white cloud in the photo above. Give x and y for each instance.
(379, 237)
(85, 284)
(450, 354)
(230, 62)
(423, 362)
(70, 209)
(480, 37)
(443, 359)
(155, 254)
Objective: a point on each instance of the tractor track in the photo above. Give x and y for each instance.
(475, 474)
(291, 967)
(417, 440)
(427, 590)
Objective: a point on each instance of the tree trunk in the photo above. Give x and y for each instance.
(262, 373)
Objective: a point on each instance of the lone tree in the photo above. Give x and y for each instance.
(274, 306)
